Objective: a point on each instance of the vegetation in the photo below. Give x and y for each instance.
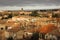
(22, 28)
(55, 16)
(10, 16)
(34, 13)
(22, 14)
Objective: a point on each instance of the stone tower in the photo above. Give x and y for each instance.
(22, 9)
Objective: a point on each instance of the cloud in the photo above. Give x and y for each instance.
(28, 7)
(28, 2)
(35, 4)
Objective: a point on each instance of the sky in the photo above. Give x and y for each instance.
(28, 4)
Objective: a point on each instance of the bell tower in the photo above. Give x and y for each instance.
(21, 9)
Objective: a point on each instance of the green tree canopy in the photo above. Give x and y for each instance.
(34, 13)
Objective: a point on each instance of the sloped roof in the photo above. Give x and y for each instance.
(47, 28)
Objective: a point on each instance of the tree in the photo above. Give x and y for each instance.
(55, 15)
(10, 16)
(22, 28)
(35, 36)
(34, 13)
(22, 14)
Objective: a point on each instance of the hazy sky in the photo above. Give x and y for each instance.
(27, 4)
